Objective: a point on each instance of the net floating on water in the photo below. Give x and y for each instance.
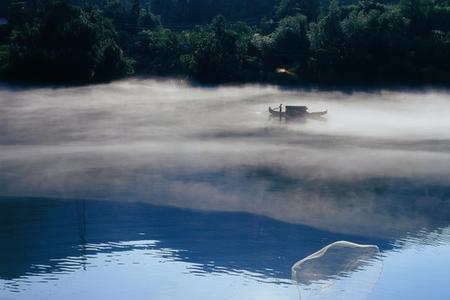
(341, 270)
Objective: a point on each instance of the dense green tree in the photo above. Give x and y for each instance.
(367, 42)
(156, 52)
(327, 44)
(215, 54)
(66, 44)
(135, 14)
(309, 8)
(267, 26)
(147, 20)
(417, 12)
(288, 46)
(116, 10)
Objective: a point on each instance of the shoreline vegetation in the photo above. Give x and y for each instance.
(288, 42)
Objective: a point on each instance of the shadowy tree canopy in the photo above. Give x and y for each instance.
(283, 41)
(64, 43)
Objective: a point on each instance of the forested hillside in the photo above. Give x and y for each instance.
(184, 11)
(285, 41)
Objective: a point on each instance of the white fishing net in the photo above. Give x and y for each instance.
(341, 270)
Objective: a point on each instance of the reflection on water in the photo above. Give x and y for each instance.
(80, 249)
(341, 270)
(186, 187)
(230, 240)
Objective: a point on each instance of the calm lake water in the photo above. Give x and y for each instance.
(145, 189)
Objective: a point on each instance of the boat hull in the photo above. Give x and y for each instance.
(278, 114)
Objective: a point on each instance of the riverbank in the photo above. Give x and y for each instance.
(346, 45)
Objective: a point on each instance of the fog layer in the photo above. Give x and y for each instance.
(379, 164)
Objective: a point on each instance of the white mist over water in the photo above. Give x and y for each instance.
(166, 142)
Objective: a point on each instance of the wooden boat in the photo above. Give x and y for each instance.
(276, 113)
(296, 112)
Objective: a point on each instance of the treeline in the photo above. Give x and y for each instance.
(181, 13)
(286, 41)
